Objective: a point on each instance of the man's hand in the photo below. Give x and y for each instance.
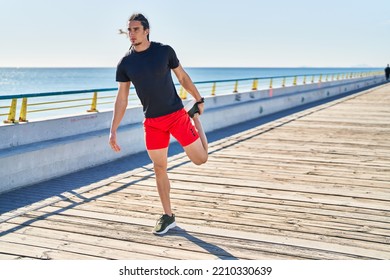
(113, 143)
(201, 108)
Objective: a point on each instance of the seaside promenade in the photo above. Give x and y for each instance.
(314, 184)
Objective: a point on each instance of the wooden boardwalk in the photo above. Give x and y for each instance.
(312, 185)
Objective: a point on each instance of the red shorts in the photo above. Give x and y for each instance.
(158, 130)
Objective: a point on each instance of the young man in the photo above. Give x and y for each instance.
(148, 66)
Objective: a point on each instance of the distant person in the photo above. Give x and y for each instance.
(148, 66)
(387, 72)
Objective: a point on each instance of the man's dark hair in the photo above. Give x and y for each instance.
(144, 21)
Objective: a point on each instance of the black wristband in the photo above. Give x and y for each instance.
(201, 101)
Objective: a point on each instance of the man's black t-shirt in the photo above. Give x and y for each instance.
(150, 72)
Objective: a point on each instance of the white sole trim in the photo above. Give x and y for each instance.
(166, 230)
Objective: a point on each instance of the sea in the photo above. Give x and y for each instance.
(19, 81)
(38, 80)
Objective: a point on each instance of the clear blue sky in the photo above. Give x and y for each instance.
(204, 33)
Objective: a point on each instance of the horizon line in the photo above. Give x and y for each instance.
(254, 67)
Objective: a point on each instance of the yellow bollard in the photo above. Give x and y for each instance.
(338, 77)
(295, 81)
(23, 110)
(270, 83)
(94, 103)
(12, 112)
(254, 85)
(183, 93)
(213, 89)
(304, 80)
(235, 87)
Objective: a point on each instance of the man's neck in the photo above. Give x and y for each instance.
(142, 47)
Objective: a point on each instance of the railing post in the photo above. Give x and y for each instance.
(270, 83)
(94, 103)
(284, 82)
(295, 81)
(254, 85)
(304, 80)
(320, 78)
(312, 79)
(12, 112)
(23, 110)
(235, 87)
(213, 88)
(183, 93)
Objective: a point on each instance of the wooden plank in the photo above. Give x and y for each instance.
(290, 192)
(145, 195)
(140, 197)
(40, 252)
(252, 212)
(328, 227)
(190, 241)
(14, 257)
(311, 181)
(158, 249)
(96, 246)
(139, 218)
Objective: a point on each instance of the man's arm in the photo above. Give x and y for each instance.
(188, 85)
(119, 111)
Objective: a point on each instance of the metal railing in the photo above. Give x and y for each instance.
(34, 103)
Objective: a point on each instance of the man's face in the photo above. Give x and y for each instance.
(137, 33)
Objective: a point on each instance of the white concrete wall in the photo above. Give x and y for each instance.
(40, 150)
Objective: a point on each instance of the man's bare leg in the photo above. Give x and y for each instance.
(201, 132)
(160, 163)
(197, 152)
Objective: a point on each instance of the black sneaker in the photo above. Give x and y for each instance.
(192, 107)
(164, 223)
(194, 110)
